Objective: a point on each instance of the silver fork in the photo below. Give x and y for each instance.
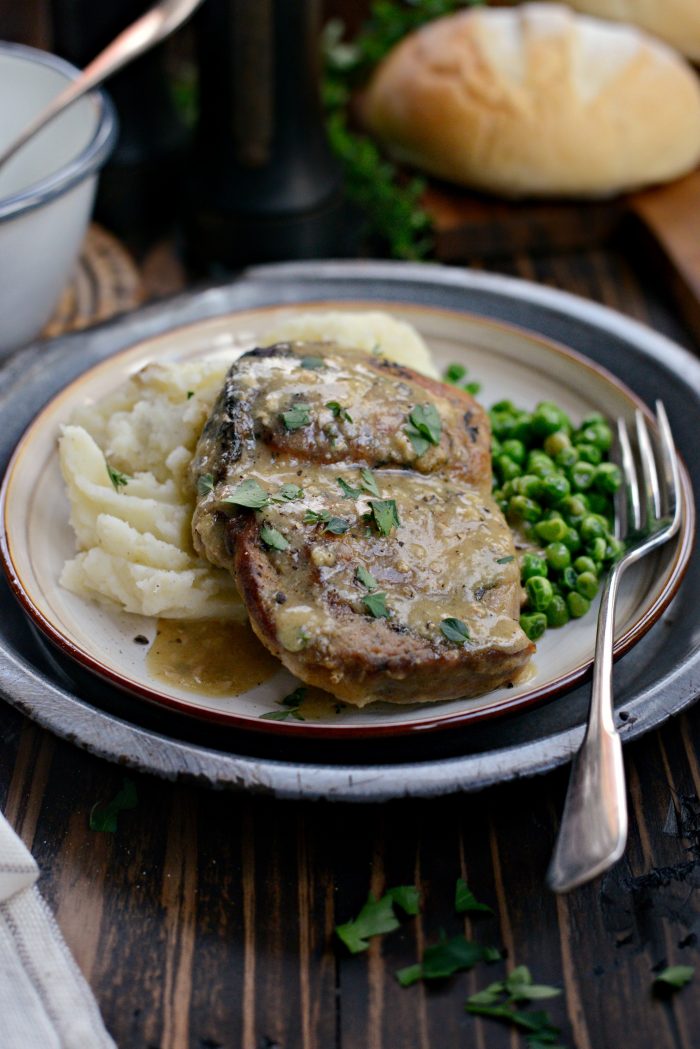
(593, 828)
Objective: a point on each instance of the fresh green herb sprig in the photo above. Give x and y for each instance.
(501, 1000)
(290, 705)
(118, 479)
(673, 978)
(466, 902)
(445, 958)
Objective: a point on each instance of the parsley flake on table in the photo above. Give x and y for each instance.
(376, 605)
(424, 427)
(385, 514)
(369, 482)
(505, 560)
(377, 917)
(205, 484)
(499, 1001)
(674, 977)
(190, 395)
(347, 489)
(118, 479)
(339, 412)
(296, 417)
(455, 630)
(445, 958)
(249, 494)
(272, 538)
(466, 901)
(365, 578)
(103, 815)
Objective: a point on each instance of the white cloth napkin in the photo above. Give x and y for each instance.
(45, 1002)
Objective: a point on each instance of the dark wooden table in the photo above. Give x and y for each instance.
(207, 919)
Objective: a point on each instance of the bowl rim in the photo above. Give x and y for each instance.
(79, 167)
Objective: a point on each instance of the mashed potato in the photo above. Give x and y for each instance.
(125, 462)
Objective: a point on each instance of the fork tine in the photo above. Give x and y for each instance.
(652, 491)
(669, 464)
(628, 510)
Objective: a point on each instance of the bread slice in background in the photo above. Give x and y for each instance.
(675, 21)
(535, 101)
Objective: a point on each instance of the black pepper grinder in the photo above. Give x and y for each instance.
(264, 184)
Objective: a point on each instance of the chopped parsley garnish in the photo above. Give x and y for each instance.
(103, 815)
(347, 489)
(446, 958)
(385, 514)
(190, 395)
(376, 605)
(291, 704)
(365, 578)
(466, 901)
(249, 494)
(336, 525)
(424, 427)
(674, 977)
(473, 388)
(368, 482)
(454, 373)
(118, 479)
(505, 560)
(377, 917)
(296, 417)
(272, 538)
(499, 1000)
(455, 630)
(312, 363)
(205, 484)
(287, 494)
(339, 412)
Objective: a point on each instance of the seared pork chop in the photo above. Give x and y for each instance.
(350, 498)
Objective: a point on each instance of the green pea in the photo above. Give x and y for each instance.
(510, 488)
(506, 468)
(593, 417)
(574, 508)
(522, 428)
(515, 450)
(558, 555)
(454, 373)
(540, 465)
(567, 457)
(529, 485)
(568, 579)
(556, 443)
(607, 477)
(554, 488)
(503, 505)
(532, 565)
(528, 530)
(597, 433)
(593, 527)
(582, 475)
(534, 625)
(548, 418)
(539, 591)
(587, 584)
(585, 564)
(572, 540)
(597, 549)
(551, 531)
(505, 406)
(577, 604)
(557, 611)
(614, 549)
(502, 424)
(524, 508)
(589, 453)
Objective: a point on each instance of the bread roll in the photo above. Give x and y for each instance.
(675, 21)
(537, 101)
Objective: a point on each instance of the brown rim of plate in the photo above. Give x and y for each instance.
(436, 723)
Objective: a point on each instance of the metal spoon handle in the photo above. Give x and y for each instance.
(141, 35)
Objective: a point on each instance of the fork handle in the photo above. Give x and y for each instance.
(593, 828)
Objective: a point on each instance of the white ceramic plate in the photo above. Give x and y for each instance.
(509, 363)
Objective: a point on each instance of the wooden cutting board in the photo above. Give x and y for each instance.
(468, 225)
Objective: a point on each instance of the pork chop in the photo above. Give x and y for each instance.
(351, 499)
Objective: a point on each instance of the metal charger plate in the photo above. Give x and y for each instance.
(658, 678)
